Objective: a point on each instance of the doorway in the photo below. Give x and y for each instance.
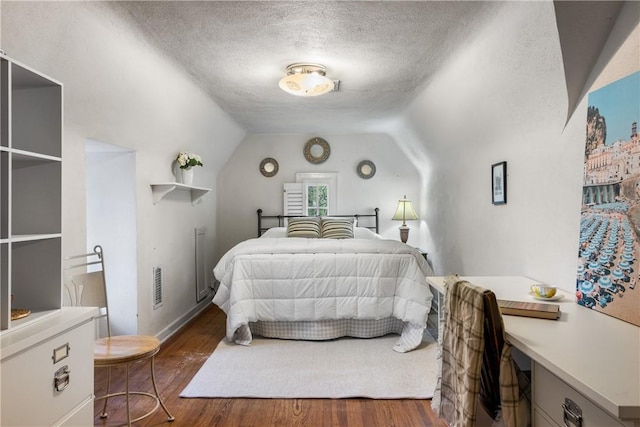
(111, 223)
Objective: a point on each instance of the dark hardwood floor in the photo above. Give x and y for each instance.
(183, 355)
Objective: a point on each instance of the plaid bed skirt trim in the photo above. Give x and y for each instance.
(410, 335)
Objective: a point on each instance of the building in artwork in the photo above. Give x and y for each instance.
(608, 166)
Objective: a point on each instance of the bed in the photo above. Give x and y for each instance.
(294, 282)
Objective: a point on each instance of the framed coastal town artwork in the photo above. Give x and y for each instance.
(609, 250)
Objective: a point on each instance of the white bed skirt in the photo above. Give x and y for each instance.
(410, 335)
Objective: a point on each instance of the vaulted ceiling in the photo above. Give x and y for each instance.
(382, 52)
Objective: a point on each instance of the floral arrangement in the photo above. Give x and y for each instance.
(188, 160)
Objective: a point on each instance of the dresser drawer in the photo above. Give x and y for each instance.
(541, 419)
(82, 416)
(549, 393)
(28, 394)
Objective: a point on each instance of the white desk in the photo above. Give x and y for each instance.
(596, 355)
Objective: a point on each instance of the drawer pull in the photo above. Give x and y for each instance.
(61, 378)
(572, 413)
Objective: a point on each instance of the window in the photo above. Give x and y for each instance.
(317, 199)
(314, 194)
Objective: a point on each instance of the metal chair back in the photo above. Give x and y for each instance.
(85, 284)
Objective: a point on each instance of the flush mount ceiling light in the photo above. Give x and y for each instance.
(306, 80)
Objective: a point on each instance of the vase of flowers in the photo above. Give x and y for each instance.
(186, 162)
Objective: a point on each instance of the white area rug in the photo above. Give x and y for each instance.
(343, 368)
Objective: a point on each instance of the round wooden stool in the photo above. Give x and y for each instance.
(124, 350)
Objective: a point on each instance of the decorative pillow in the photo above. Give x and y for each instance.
(336, 228)
(308, 226)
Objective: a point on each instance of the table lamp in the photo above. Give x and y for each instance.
(404, 212)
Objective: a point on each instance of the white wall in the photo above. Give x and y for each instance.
(119, 90)
(242, 189)
(503, 98)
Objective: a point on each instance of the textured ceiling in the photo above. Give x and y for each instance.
(382, 53)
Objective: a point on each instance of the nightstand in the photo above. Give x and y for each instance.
(424, 254)
(433, 318)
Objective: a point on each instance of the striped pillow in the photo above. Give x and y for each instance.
(304, 227)
(337, 228)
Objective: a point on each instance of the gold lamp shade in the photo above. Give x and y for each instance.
(405, 212)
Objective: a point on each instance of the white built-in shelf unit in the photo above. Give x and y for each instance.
(31, 190)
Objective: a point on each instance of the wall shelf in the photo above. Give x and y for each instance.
(162, 189)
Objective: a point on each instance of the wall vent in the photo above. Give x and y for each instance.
(157, 287)
(202, 291)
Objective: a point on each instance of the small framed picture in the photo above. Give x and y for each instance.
(499, 183)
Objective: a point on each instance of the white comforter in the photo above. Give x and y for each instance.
(292, 279)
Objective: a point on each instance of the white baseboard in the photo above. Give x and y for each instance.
(176, 325)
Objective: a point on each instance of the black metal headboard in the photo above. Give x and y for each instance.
(278, 220)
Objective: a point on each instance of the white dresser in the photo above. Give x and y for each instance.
(46, 371)
(587, 357)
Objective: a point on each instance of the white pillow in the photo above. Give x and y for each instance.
(275, 232)
(358, 233)
(364, 233)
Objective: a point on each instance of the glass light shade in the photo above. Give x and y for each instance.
(306, 80)
(405, 211)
